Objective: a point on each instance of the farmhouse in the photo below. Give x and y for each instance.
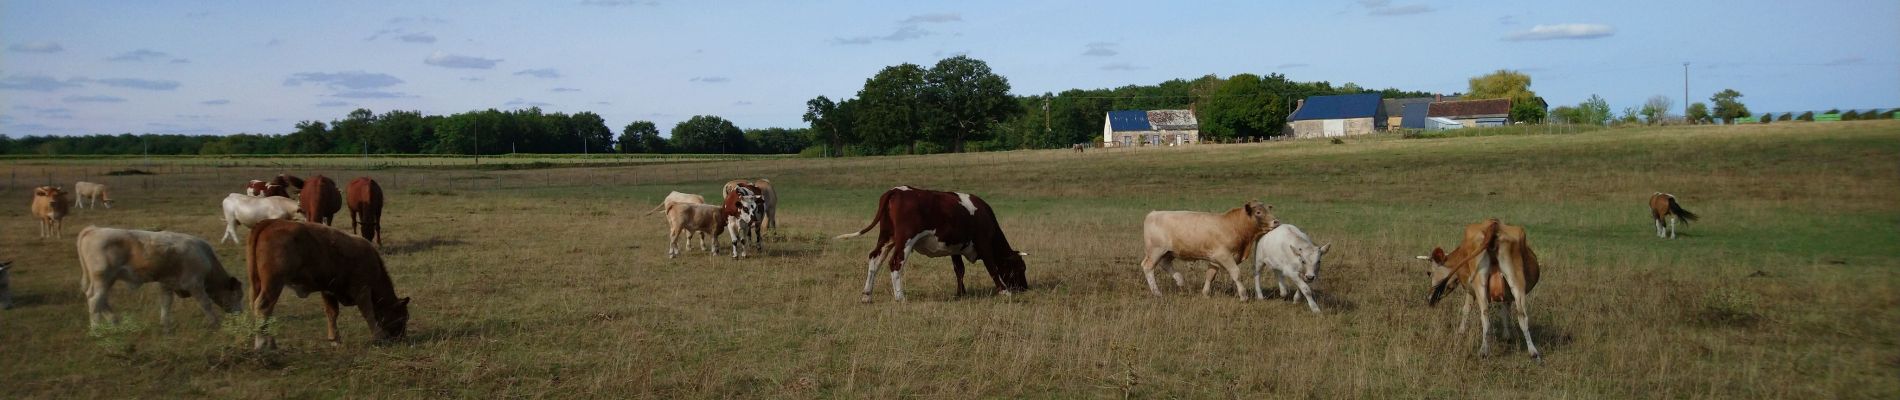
(1339, 115)
(1153, 127)
(1473, 113)
(1409, 113)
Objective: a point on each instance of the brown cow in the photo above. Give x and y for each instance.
(51, 204)
(366, 207)
(282, 184)
(309, 257)
(741, 216)
(1494, 261)
(1662, 206)
(937, 224)
(320, 200)
(1223, 240)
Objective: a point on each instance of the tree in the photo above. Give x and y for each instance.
(964, 99)
(1508, 84)
(890, 113)
(1594, 111)
(592, 131)
(821, 113)
(1699, 113)
(1630, 116)
(1656, 109)
(776, 140)
(1566, 114)
(708, 134)
(1727, 105)
(638, 137)
(1237, 108)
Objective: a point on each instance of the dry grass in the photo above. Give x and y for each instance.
(548, 283)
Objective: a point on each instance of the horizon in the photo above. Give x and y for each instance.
(172, 67)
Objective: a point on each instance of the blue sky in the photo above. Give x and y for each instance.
(212, 67)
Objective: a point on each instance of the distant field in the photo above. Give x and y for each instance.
(550, 282)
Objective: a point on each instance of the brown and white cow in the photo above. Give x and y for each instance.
(182, 265)
(696, 220)
(937, 224)
(366, 208)
(1663, 207)
(283, 184)
(51, 204)
(91, 194)
(256, 188)
(741, 217)
(1495, 263)
(1223, 240)
(320, 200)
(343, 268)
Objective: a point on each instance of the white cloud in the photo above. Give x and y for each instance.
(1563, 31)
(446, 60)
(711, 79)
(355, 80)
(549, 73)
(135, 83)
(1384, 8)
(36, 47)
(1121, 66)
(1101, 49)
(933, 18)
(38, 83)
(371, 94)
(140, 55)
(333, 103)
(563, 89)
(903, 33)
(417, 37)
(215, 102)
(93, 99)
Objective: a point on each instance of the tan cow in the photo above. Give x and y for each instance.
(1496, 263)
(1223, 240)
(676, 198)
(182, 265)
(50, 205)
(768, 202)
(694, 219)
(91, 194)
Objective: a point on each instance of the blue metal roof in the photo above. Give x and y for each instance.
(1338, 107)
(1129, 120)
(1413, 117)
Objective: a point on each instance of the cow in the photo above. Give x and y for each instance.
(249, 210)
(1287, 250)
(6, 289)
(310, 257)
(50, 206)
(937, 224)
(1496, 265)
(182, 265)
(1223, 240)
(675, 198)
(768, 203)
(740, 214)
(703, 220)
(91, 194)
(283, 183)
(1662, 206)
(257, 188)
(320, 200)
(366, 207)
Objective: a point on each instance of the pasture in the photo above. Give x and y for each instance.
(550, 283)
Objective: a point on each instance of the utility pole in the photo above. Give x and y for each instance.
(1045, 117)
(1685, 92)
(478, 144)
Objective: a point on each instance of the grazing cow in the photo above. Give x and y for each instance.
(676, 198)
(1663, 206)
(1495, 263)
(6, 289)
(320, 200)
(182, 265)
(741, 215)
(249, 210)
(1222, 240)
(937, 224)
(1287, 250)
(366, 206)
(50, 205)
(704, 220)
(91, 194)
(257, 188)
(311, 257)
(1078, 147)
(768, 202)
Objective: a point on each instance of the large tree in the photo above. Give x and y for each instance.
(892, 107)
(1594, 111)
(963, 99)
(641, 137)
(708, 134)
(1699, 113)
(592, 131)
(1508, 84)
(822, 114)
(1728, 105)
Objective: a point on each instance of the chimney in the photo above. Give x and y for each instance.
(1298, 104)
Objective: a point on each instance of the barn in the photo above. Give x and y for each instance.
(1409, 113)
(1337, 115)
(1152, 127)
(1474, 113)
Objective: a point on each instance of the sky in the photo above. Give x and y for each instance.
(221, 67)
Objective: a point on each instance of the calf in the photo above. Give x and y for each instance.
(310, 257)
(50, 206)
(248, 211)
(1287, 250)
(1496, 263)
(91, 194)
(694, 220)
(320, 200)
(182, 265)
(1662, 206)
(366, 207)
(1220, 239)
(937, 224)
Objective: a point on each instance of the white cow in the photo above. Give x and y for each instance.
(182, 265)
(90, 194)
(248, 210)
(1288, 250)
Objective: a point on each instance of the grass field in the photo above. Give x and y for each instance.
(550, 282)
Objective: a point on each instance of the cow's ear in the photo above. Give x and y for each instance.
(1438, 255)
(1324, 248)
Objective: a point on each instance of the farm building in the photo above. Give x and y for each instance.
(1409, 113)
(1153, 127)
(1473, 113)
(1338, 115)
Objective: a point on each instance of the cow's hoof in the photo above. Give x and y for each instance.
(1007, 293)
(866, 299)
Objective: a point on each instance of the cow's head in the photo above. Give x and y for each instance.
(392, 321)
(1441, 276)
(1012, 271)
(1262, 215)
(228, 293)
(1310, 260)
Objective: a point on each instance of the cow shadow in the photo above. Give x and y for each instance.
(26, 300)
(412, 246)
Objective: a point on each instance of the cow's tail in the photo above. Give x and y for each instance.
(657, 208)
(1491, 241)
(875, 219)
(1679, 212)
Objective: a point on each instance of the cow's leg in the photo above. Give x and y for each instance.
(1659, 229)
(870, 273)
(263, 302)
(1480, 285)
(353, 228)
(1257, 293)
(673, 240)
(1465, 316)
(1233, 273)
(1305, 291)
(900, 256)
(96, 302)
(1672, 226)
(165, 308)
(210, 309)
(329, 315)
(956, 264)
(1520, 304)
(1207, 285)
(230, 232)
(1156, 258)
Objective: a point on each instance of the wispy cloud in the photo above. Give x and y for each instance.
(1101, 49)
(933, 18)
(354, 80)
(1292, 65)
(710, 79)
(274, 42)
(215, 102)
(417, 37)
(446, 60)
(181, 61)
(1384, 8)
(563, 89)
(549, 73)
(618, 3)
(371, 94)
(333, 103)
(1563, 31)
(473, 79)
(42, 47)
(907, 29)
(1121, 66)
(517, 102)
(135, 83)
(417, 20)
(97, 98)
(741, 103)
(47, 113)
(1507, 20)
(140, 55)
(38, 83)
(1844, 61)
